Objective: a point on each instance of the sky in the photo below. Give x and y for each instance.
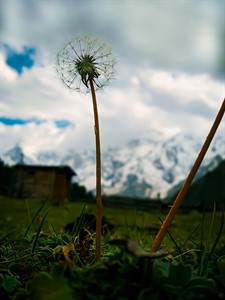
(169, 75)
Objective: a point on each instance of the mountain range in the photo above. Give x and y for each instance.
(152, 167)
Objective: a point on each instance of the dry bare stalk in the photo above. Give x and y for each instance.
(171, 214)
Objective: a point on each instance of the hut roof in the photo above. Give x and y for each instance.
(69, 171)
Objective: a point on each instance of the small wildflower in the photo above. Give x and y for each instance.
(84, 59)
(86, 64)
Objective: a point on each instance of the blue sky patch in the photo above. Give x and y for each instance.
(16, 121)
(62, 123)
(20, 60)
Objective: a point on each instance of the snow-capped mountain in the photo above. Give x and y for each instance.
(146, 167)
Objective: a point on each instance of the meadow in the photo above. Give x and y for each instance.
(16, 214)
(31, 265)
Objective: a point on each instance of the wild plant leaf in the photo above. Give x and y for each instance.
(201, 285)
(45, 287)
(160, 271)
(221, 267)
(179, 274)
(9, 283)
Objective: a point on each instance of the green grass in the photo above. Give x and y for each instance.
(32, 266)
(14, 217)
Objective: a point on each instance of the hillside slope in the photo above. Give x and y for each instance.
(206, 191)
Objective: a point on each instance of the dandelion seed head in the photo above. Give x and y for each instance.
(83, 59)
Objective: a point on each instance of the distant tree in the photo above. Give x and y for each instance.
(7, 179)
(79, 192)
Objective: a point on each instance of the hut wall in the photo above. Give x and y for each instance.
(61, 188)
(37, 184)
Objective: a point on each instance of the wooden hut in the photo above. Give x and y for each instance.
(41, 182)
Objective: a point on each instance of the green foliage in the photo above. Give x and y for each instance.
(9, 283)
(79, 192)
(221, 271)
(121, 275)
(50, 286)
(206, 191)
(7, 179)
(125, 279)
(179, 274)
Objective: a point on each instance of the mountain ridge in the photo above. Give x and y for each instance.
(145, 167)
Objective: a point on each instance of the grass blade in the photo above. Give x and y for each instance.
(215, 243)
(212, 222)
(34, 244)
(35, 215)
(78, 225)
(189, 236)
(173, 240)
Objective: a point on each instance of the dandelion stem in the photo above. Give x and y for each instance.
(165, 225)
(86, 64)
(98, 175)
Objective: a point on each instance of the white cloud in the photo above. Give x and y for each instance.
(179, 35)
(167, 59)
(32, 137)
(150, 99)
(185, 87)
(6, 73)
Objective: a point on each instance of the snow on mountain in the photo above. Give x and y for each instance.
(16, 155)
(146, 167)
